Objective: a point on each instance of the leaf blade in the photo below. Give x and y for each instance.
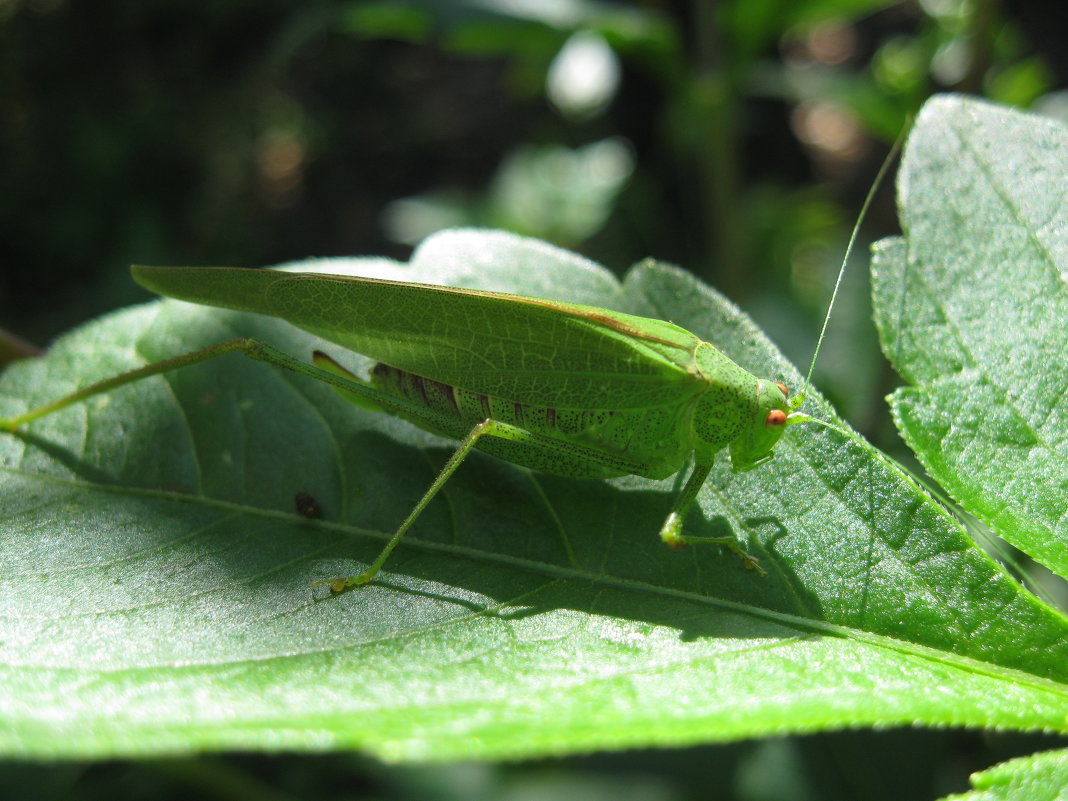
(481, 638)
(973, 310)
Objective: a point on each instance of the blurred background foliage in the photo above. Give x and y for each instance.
(733, 138)
(736, 138)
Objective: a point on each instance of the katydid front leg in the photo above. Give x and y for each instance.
(671, 531)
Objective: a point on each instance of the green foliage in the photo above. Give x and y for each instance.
(158, 591)
(972, 311)
(253, 133)
(1038, 778)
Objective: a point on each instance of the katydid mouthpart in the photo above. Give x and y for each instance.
(573, 390)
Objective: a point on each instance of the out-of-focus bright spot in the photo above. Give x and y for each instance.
(584, 76)
(950, 62)
(1021, 83)
(561, 194)
(611, 163)
(552, 192)
(828, 128)
(280, 159)
(827, 45)
(410, 220)
(559, 13)
(899, 65)
(944, 8)
(831, 44)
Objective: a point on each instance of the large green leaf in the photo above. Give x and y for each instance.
(1037, 778)
(156, 583)
(972, 307)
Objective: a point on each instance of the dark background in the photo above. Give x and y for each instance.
(736, 139)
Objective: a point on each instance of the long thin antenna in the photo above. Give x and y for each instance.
(800, 398)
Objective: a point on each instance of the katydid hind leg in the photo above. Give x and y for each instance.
(14, 422)
(488, 427)
(671, 531)
(252, 348)
(341, 583)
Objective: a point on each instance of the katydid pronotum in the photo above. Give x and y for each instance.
(573, 390)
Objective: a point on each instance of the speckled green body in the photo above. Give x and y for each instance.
(653, 442)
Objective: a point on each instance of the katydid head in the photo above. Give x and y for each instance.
(770, 417)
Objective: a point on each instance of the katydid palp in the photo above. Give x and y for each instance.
(573, 390)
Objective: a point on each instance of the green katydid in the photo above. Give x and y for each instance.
(573, 390)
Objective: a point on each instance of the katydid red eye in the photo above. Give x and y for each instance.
(782, 386)
(776, 417)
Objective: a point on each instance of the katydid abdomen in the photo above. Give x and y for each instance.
(651, 442)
